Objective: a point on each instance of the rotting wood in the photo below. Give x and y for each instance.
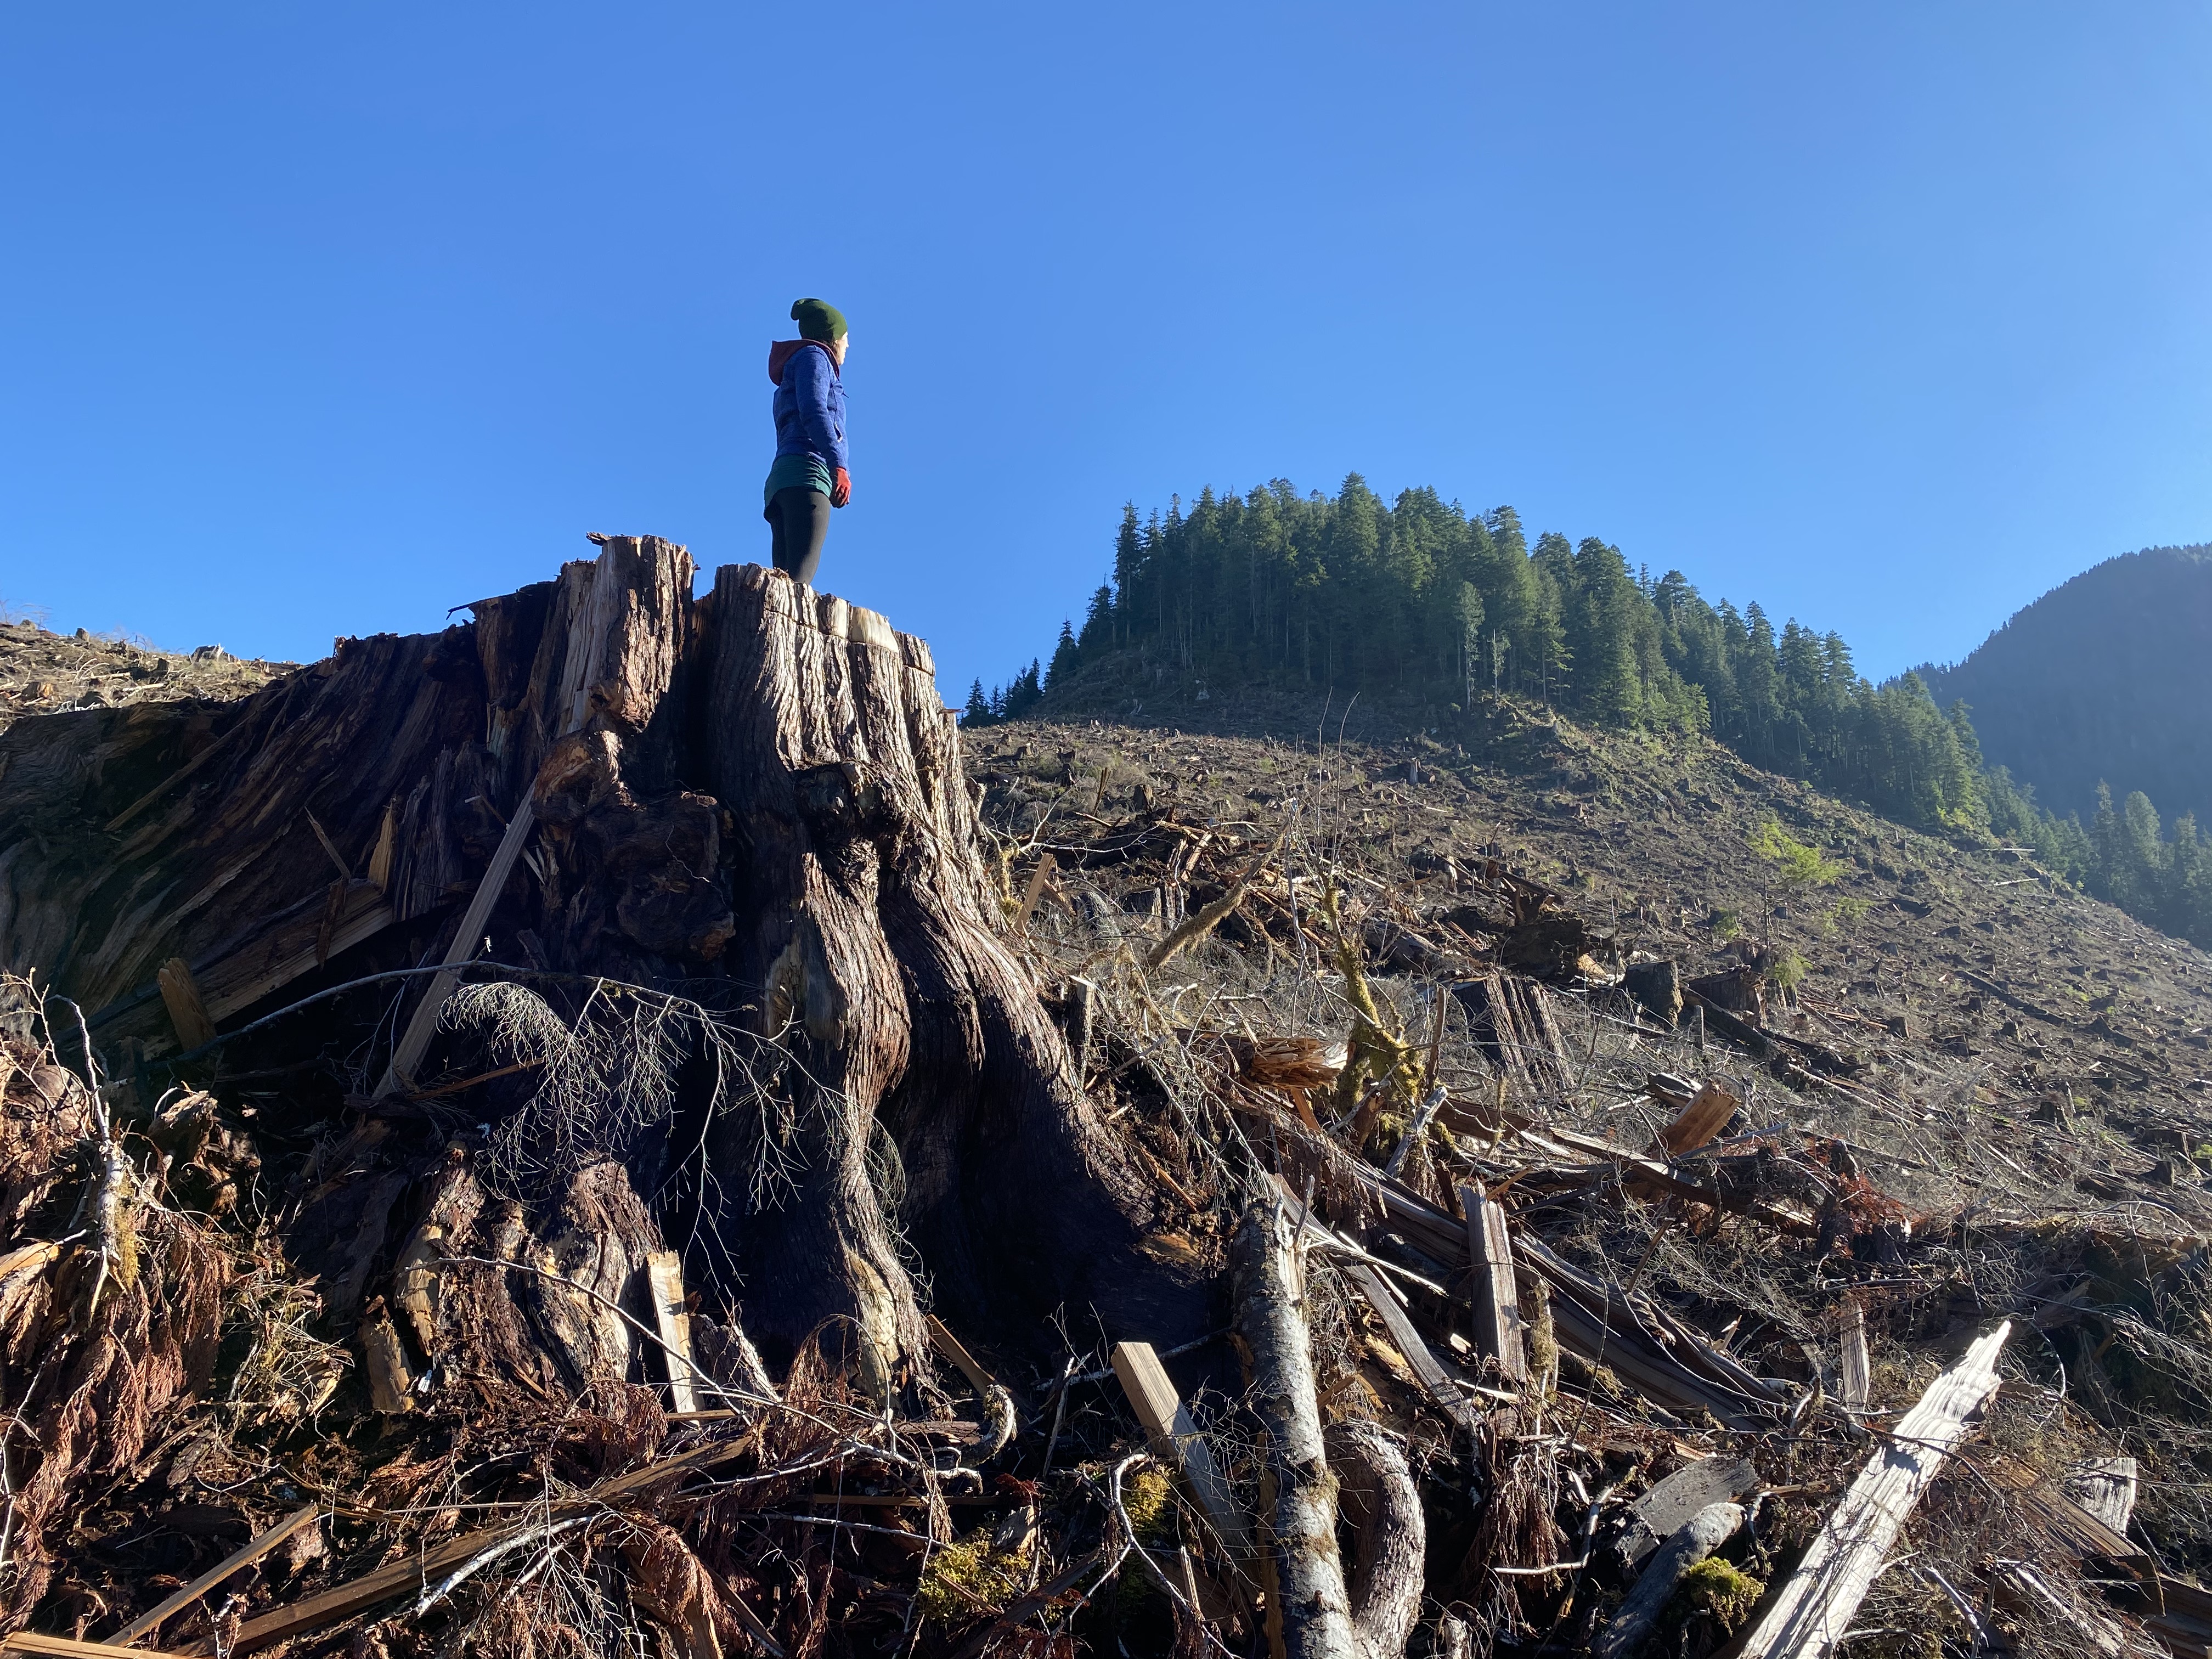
(1814, 1609)
(1175, 1441)
(1082, 1010)
(260, 1546)
(1681, 1498)
(1309, 1605)
(391, 1389)
(1626, 1633)
(1493, 1292)
(180, 994)
(671, 1320)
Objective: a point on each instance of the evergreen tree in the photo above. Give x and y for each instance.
(978, 711)
(1064, 656)
(1098, 636)
(1470, 609)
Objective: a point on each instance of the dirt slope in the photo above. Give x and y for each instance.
(43, 672)
(1654, 837)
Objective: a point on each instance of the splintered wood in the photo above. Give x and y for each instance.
(1496, 1298)
(671, 1318)
(188, 1012)
(1175, 1441)
(1815, 1606)
(266, 1541)
(1704, 1118)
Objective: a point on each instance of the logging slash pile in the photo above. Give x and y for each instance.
(606, 1131)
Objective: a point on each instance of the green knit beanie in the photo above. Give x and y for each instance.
(818, 319)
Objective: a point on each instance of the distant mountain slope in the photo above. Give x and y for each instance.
(2105, 678)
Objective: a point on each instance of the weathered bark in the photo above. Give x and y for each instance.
(757, 798)
(868, 948)
(1308, 1593)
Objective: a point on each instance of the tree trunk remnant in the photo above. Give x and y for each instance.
(755, 800)
(628, 614)
(1307, 1596)
(1377, 1496)
(1626, 1633)
(870, 938)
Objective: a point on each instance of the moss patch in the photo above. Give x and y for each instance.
(1720, 1591)
(968, 1577)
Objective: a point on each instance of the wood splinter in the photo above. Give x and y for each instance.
(1814, 1607)
(1497, 1298)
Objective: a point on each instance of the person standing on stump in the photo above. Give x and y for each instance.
(809, 478)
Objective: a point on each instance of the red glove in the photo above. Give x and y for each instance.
(841, 488)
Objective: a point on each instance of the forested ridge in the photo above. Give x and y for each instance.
(2101, 680)
(1425, 600)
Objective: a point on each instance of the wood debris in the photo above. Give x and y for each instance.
(833, 1215)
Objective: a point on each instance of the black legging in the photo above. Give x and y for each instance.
(798, 522)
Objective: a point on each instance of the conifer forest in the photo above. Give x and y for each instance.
(1435, 606)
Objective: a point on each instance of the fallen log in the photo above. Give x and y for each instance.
(1626, 1632)
(1309, 1612)
(1814, 1609)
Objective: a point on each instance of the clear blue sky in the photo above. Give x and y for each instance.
(320, 318)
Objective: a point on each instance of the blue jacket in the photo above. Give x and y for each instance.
(809, 403)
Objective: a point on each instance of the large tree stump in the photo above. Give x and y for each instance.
(756, 800)
(869, 942)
